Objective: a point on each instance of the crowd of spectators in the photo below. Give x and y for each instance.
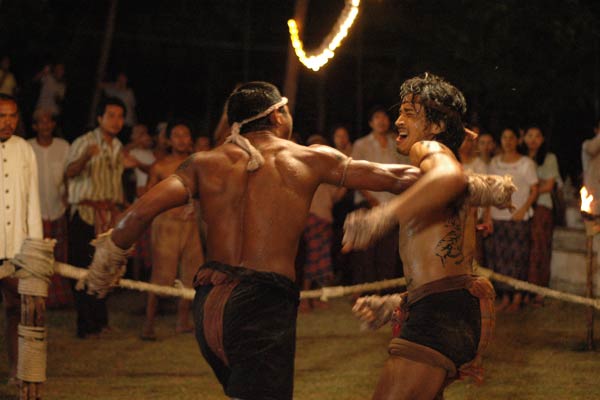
(83, 186)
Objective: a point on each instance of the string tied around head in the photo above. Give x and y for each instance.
(256, 159)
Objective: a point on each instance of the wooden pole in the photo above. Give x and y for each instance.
(290, 85)
(33, 313)
(590, 291)
(103, 60)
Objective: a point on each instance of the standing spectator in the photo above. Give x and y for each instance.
(20, 217)
(542, 223)
(161, 143)
(381, 260)
(341, 140)
(341, 261)
(511, 233)
(51, 154)
(52, 89)
(120, 90)
(590, 157)
(176, 242)
(94, 169)
(487, 147)
(468, 156)
(8, 83)
(140, 149)
(318, 234)
(202, 144)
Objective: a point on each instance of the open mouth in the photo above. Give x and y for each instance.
(402, 135)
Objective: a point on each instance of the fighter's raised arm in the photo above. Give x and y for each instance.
(174, 191)
(337, 169)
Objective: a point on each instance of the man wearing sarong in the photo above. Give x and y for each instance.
(444, 321)
(94, 170)
(255, 193)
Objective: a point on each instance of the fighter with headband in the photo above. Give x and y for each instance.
(255, 193)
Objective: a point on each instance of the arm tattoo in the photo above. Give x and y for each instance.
(184, 165)
(450, 246)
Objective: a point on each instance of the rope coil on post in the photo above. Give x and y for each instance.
(32, 353)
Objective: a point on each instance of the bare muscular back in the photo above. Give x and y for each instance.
(255, 219)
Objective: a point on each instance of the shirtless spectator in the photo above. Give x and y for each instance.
(255, 192)
(176, 247)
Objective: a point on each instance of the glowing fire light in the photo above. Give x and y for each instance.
(586, 200)
(316, 59)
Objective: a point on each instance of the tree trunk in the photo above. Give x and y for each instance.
(103, 60)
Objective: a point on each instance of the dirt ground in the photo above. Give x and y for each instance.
(534, 356)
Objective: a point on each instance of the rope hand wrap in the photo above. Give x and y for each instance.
(364, 227)
(490, 190)
(36, 263)
(376, 311)
(108, 266)
(256, 159)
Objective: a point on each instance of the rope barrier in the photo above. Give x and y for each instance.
(331, 292)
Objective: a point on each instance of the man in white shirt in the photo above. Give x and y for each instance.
(590, 157)
(20, 215)
(51, 154)
(380, 261)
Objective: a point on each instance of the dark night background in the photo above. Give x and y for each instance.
(516, 61)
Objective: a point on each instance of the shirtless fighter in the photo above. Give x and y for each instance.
(445, 319)
(254, 192)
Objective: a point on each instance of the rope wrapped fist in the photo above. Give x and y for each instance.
(376, 311)
(490, 190)
(108, 266)
(364, 227)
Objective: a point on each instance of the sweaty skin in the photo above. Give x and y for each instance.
(255, 219)
(440, 242)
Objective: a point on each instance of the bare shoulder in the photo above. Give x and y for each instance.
(425, 149)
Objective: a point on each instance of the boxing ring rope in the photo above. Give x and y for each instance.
(331, 292)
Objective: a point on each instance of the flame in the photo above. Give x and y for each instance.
(586, 200)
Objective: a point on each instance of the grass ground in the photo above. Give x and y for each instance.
(532, 357)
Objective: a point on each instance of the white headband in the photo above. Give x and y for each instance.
(256, 159)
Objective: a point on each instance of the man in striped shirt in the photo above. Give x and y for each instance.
(94, 169)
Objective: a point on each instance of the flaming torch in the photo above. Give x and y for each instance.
(591, 228)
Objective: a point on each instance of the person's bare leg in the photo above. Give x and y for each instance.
(516, 303)
(405, 379)
(305, 305)
(12, 308)
(148, 328)
(183, 317)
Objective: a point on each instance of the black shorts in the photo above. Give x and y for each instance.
(449, 322)
(259, 334)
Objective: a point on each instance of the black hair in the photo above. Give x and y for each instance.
(179, 121)
(341, 126)
(109, 101)
(375, 109)
(250, 99)
(521, 148)
(8, 97)
(540, 155)
(442, 103)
